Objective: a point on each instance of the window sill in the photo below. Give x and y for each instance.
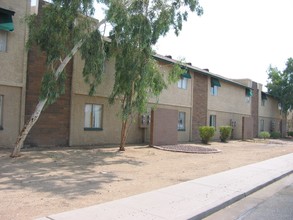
(93, 129)
(181, 129)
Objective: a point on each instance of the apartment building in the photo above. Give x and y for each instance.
(13, 63)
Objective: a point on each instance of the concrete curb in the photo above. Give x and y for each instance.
(193, 199)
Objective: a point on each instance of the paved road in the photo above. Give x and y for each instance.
(274, 202)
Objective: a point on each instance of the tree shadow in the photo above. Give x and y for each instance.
(68, 172)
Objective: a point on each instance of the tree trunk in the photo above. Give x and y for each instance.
(27, 127)
(123, 135)
(40, 106)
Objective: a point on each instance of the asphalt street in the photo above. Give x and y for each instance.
(274, 202)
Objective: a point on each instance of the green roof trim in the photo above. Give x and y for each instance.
(186, 75)
(215, 82)
(6, 23)
(248, 92)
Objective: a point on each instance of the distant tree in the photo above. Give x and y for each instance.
(136, 28)
(280, 85)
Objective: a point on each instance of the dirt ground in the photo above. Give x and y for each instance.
(44, 182)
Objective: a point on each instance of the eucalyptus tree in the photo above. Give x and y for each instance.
(63, 28)
(137, 26)
(280, 85)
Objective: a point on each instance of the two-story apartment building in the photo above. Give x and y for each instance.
(198, 98)
(13, 63)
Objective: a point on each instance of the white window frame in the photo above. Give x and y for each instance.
(182, 83)
(93, 114)
(214, 90)
(181, 121)
(3, 41)
(213, 120)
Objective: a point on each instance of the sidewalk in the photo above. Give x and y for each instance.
(189, 200)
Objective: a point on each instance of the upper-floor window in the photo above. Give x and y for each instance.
(6, 24)
(1, 112)
(248, 94)
(93, 117)
(182, 83)
(263, 98)
(215, 84)
(181, 121)
(3, 41)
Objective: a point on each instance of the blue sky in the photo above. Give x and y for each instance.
(235, 38)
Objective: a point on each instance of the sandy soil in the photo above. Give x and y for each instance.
(44, 182)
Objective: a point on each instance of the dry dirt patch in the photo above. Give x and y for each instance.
(44, 182)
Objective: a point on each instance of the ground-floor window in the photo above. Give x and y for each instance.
(1, 112)
(262, 125)
(93, 117)
(181, 121)
(213, 120)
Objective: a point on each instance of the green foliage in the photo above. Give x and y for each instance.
(290, 133)
(275, 135)
(137, 25)
(206, 133)
(55, 31)
(264, 134)
(225, 133)
(280, 85)
(93, 52)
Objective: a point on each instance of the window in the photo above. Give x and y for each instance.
(213, 120)
(1, 112)
(215, 83)
(263, 102)
(3, 41)
(182, 83)
(262, 125)
(263, 98)
(181, 121)
(93, 117)
(248, 94)
(214, 90)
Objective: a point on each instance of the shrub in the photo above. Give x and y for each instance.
(225, 133)
(275, 135)
(264, 134)
(290, 133)
(206, 133)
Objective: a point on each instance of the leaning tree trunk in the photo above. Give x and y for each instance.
(123, 135)
(27, 127)
(40, 106)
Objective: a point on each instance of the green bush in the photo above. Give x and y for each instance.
(275, 135)
(290, 133)
(225, 133)
(264, 134)
(206, 133)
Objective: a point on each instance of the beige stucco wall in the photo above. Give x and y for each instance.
(13, 65)
(173, 95)
(230, 99)
(11, 115)
(111, 124)
(172, 98)
(270, 109)
(12, 62)
(224, 119)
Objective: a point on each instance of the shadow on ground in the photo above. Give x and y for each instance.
(69, 172)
